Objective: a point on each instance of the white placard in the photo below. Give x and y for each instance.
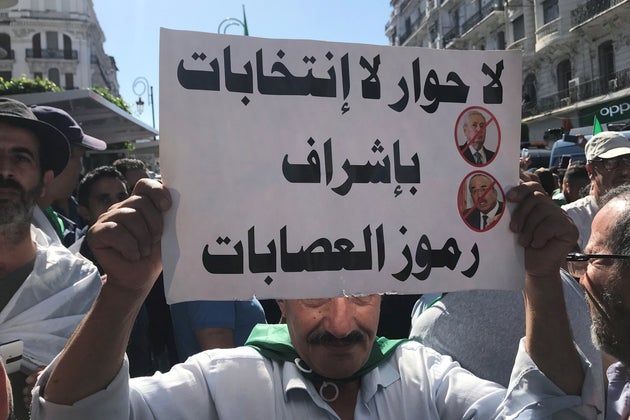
(314, 169)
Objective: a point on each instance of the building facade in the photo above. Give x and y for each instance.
(59, 40)
(576, 53)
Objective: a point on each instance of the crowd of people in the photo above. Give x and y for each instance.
(81, 285)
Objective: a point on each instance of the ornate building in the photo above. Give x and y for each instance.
(576, 53)
(59, 40)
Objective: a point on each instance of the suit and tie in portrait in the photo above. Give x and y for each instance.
(473, 149)
(487, 209)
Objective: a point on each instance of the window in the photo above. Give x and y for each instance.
(518, 28)
(69, 81)
(67, 47)
(433, 31)
(37, 46)
(6, 75)
(38, 75)
(563, 73)
(606, 57)
(5, 47)
(551, 11)
(501, 40)
(52, 41)
(529, 95)
(53, 76)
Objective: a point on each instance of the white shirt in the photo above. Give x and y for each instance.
(481, 153)
(41, 222)
(234, 384)
(51, 302)
(582, 212)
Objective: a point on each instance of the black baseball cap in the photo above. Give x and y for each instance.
(62, 121)
(54, 149)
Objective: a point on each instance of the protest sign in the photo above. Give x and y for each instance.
(313, 169)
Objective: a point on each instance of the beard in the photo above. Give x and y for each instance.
(610, 332)
(18, 212)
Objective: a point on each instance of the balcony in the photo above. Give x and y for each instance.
(548, 29)
(486, 10)
(413, 28)
(590, 9)
(7, 55)
(450, 35)
(52, 53)
(590, 89)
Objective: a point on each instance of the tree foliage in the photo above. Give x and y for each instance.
(24, 85)
(116, 100)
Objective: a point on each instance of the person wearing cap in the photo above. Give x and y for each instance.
(608, 166)
(44, 290)
(59, 192)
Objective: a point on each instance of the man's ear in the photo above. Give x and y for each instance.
(84, 213)
(589, 170)
(46, 179)
(280, 303)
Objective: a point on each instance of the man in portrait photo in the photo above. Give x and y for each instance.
(475, 135)
(486, 208)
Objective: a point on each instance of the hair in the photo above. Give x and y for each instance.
(618, 240)
(575, 171)
(128, 164)
(88, 181)
(547, 180)
(473, 112)
(480, 176)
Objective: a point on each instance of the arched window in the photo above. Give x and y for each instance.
(563, 74)
(37, 46)
(5, 47)
(67, 47)
(529, 90)
(606, 57)
(53, 76)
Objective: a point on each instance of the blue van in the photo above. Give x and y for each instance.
(568, 146)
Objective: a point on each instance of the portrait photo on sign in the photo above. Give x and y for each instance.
(481, 201)
(477, 136)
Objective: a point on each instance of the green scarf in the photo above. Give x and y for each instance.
(273, 341)
(54, 220)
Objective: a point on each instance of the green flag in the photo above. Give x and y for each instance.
(245, 30)
(597, 127)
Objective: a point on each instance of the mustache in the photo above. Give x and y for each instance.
(326, 338)
(10, 183)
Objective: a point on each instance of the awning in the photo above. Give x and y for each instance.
(97, 116)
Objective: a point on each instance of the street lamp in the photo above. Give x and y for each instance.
(140, 86)
(227, 22)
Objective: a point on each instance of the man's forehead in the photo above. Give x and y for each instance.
(480, 181)
(605, 218)
(108, 185)
(16, 136)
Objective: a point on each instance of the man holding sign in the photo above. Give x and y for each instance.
(326, 362)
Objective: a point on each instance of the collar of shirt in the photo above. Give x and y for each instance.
(481, 152)
(381, 376)
(618, 398)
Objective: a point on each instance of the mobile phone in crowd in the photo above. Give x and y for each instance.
(524, 152)
(11, 352)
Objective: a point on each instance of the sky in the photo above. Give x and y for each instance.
(131, 29)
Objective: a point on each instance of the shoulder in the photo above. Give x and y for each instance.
(470, 212)
(65, 269)
(580, 204)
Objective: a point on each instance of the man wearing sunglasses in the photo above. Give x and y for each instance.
(608, 165)
(604, 272)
